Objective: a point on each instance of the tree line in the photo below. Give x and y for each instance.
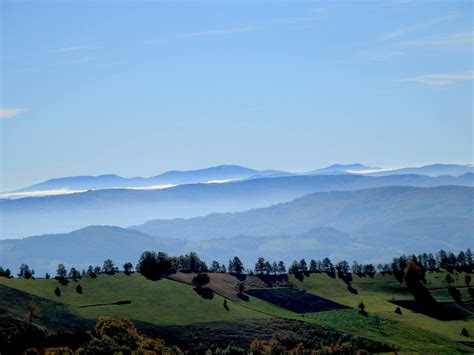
(155, 264)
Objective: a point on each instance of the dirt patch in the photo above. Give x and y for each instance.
(224, 284)
(294, 300)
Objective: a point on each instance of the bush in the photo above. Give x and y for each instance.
(398, 311)
(200, 280)
(79, 289)
(57, 292)
(465, 333)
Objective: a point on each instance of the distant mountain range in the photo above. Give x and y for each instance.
(371, 225)
(123, 207)
(362, 211)
(221, 173)
(217, 173)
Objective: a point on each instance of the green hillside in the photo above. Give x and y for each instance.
(173, 310)
(163, 302)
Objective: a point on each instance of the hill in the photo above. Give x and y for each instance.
(124, 207)
(430, 170)
(174, 311)
(364, 211)
(372, 225)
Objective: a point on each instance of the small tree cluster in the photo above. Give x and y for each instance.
(26, 272)
(5, 272)
(263, 266)
(216, 267)
(235, 266)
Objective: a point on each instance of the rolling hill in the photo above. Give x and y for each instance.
(372, 225)
(123, 207)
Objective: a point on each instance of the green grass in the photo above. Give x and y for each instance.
(170, 303)
(162, 302)
(376, 293)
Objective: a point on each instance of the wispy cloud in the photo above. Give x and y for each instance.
(74, 48)
(454, 39)
(10, 112)
(402, 31)
(442, 78)
(220, 32)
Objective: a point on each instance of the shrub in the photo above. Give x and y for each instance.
(465, 333)
(200, 280)
(398, 311)
(79, 289)
(57, 292)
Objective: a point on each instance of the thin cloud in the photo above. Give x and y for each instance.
(10, 112)
(454, 39)
(221, 32)
(74, 49)
(442, 78)
(417, 27)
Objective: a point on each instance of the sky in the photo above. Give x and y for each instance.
(138, 88)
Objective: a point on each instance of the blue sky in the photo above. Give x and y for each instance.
(137, 88)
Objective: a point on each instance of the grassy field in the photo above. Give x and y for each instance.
(162, 302)
(170, 305)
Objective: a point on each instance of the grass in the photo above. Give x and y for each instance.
(168, 304)
(376, 293)
(162, 302)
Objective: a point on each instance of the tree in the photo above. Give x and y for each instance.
(303, 267)
(274, 267)
(5, 272)
(61, 272)
(313, 266)
(109, 267)
(342, 267)
(362, 308)
(26, 272)
(281, 267)
(74, 274)
(260, 265)
(47, 276)
(239, 287)
(215, 266)
(127, 268)
(236, 266)
(294, 268)
(200, 280)
(449, 279)
(467, 280)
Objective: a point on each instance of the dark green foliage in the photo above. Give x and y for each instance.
(239, 287)
(200, 280)
(5, 272)
(465, 333)
(152, 265)
(26, 272)
(79, 289)
(74, 274)
(235, 266)
(57, 292)
(109, 267)
(127, 268)
(61, 271)
(398, 310)
(47, 276)
(189, 263)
